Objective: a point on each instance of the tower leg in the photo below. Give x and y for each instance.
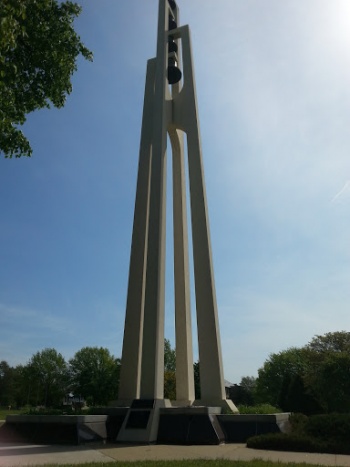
(152, 370)
(186, 117)
(129, 386)
(183, 329)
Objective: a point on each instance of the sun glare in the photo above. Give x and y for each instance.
(339, 21)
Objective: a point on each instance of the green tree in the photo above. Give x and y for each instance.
(311, 379)
(6, 384)
(248, 383)
(25, 386)
(38, 56)
(169, 371)
(330, 380)
(331, 342)
(244, 393)
(197, 380)
(170, 385)
(283, 399)
(276, 368)
(95, 375)
(169, 357)
(48, 372)
(300, 397)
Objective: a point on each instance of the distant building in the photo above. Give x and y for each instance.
(76, 402)
(228, 387)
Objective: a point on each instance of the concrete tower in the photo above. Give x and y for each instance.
(170, 108)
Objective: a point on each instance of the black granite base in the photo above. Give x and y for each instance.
(193, 425)
(177, 425)
(58, 429)
(115, 419)
(238, 428)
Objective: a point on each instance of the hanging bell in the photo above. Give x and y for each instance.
(172, 23)
(172, 45)
(172, 4)
(174, 73)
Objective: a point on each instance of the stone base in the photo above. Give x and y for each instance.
(182, 403)
(55, 429)
(115, 419)
(141, 422)
(166, 425)
(238, 428)
(190, 425)
(227, 405)
(121, 403)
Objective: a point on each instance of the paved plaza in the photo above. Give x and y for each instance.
(15, 454)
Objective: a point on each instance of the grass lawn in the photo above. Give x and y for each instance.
(4, 412)
(191, 463)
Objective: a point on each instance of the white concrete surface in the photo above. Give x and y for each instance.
(24, 454)
(171, 110)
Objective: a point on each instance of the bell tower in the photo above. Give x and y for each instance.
(170, 108)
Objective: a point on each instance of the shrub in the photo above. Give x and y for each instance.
(318, 433)
(43, 411)
(298, 422)
(262, 409)
(282, 442)
(296, 443)
(335, 427)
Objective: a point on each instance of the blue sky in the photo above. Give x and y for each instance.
(274, 104)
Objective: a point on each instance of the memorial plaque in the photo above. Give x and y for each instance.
(142, 404)
(138, 419)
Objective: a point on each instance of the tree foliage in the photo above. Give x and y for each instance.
(311, 379)
(169, 357)
(248, 383)
(95, 375)
(197, 380)
(275, 370)
(38, 56)
(331, 382)
(331, 342)
(6, 384)
(299, 397)
(25, 392)
(169, 371)
(244, 393)
(47, 372)
(170, 385)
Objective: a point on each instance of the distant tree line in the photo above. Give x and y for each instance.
(311, 379)
(92, 374)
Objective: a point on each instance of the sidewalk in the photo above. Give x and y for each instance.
(12, 454)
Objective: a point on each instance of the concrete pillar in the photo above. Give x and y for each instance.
(129, 385)
(183, 328)
(152, 372)
(185, 117)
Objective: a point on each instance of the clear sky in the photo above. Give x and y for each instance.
(273, 86)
